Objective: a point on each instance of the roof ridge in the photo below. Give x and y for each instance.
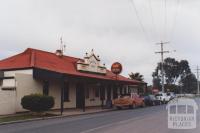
(33, 49)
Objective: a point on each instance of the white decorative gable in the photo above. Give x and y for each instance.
(91, 63)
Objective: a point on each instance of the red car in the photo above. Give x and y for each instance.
(133, 100)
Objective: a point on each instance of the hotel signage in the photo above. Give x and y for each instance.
(116, 68)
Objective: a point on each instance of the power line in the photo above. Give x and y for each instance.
(165, 19)
(162, 52)
(152, 18)
(139, 20)
(178, 6)
(161, 20)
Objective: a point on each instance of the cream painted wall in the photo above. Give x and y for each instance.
(72, 96)
(7, 102)
(54, 90)
(92, 100)
(26, 85)
(97, 100)
(12, 73)
(8, 83)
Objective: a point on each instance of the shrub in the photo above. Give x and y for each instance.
(37, 102)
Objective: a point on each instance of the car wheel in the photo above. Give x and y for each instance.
(119, 108)
(164, 101)
(134, 105)
(143, 105)
(130, 106)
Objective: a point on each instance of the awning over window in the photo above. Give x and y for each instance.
(8, 83)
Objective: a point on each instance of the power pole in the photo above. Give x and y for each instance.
(162, 52)
(197, 79)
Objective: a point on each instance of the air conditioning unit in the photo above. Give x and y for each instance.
(8, 84)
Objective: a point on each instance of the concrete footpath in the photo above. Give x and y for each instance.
(70, 112)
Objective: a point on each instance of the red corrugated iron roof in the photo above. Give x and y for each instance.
(33, 58)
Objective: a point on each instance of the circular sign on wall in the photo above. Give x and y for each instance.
(116, 68)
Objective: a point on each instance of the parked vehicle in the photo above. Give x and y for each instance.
(163, 97)
(172, 94)
(133, 100)
(151, 100)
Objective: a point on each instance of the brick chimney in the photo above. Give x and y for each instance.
(59, 53)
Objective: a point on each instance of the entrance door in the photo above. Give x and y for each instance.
(80, 96)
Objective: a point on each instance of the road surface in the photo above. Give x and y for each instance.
(141, 120)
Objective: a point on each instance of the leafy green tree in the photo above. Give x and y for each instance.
(157, 83)
(156, 80)
(188, 83)
(173, 71)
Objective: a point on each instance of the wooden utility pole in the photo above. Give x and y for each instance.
(162, 52)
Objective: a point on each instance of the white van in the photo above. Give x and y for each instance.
(163, 97)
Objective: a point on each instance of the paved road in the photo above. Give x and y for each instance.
(142, 120)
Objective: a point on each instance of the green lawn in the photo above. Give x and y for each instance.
(22, 117)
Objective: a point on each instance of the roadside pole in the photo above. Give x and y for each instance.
(162, 52)
(197, 79)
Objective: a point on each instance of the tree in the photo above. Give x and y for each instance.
(157, 84)
(156, 80)
(188, 83)
(136, 76)
(173, 71)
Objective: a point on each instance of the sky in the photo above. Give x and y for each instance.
(118, 30)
